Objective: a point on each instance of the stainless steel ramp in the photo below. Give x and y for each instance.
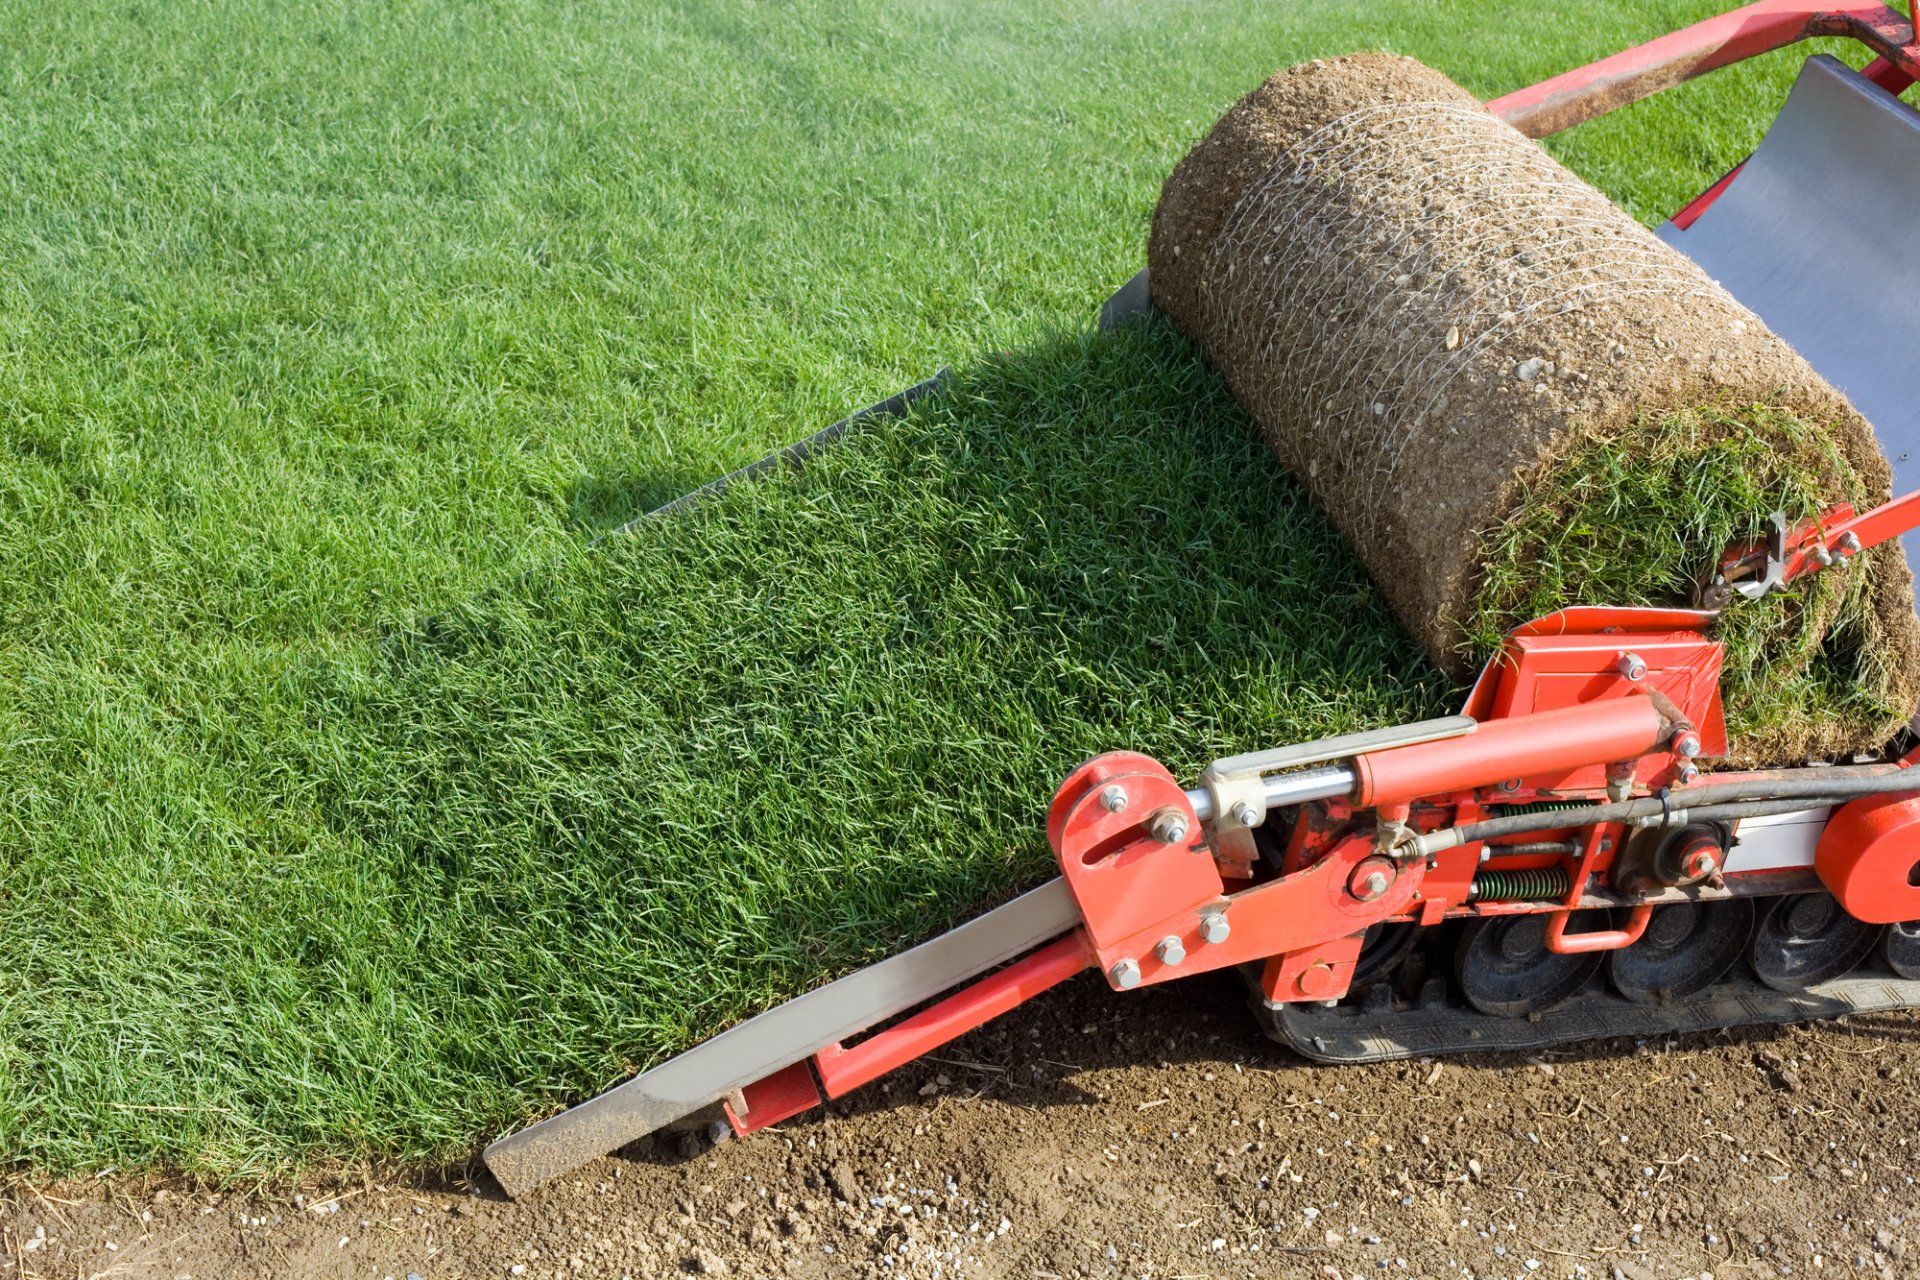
(783, 1035)
(1813, 234)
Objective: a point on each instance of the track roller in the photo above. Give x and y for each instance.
(1382, 948)
(1901, 949)
(1688, 946)
(1808, 938)
(1503, 966)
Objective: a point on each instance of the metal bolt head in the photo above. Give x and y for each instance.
(1214, 926)
(1820, 555)
(1687, 744)
(1371, 879)
(1246, 815)
(1701, 863)
(1317, 981)
(1633, 667)
(1169, 826)
(1849, 543)
(1114, 798)
(1170, 949)
(1686, 773)
(1125, 975)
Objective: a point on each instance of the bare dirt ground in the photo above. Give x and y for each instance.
(1156, 1135)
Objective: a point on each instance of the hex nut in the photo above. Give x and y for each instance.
(1246, 815)
(1114, 798)
(1169, 826)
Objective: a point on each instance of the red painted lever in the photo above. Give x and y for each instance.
(1561, 944)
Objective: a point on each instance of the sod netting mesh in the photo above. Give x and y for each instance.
(1512, 397)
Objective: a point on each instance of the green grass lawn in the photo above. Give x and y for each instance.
(320, 320)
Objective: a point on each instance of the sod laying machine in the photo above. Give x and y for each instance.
(1628, 831)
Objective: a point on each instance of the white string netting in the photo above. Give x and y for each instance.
(1355, 285)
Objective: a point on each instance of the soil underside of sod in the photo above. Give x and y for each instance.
(1511, 397)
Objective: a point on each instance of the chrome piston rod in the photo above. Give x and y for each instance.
(1284, 789)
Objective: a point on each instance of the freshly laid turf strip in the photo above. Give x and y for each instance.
(394, 902)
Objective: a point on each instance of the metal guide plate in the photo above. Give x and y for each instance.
(1814, 236)
(781, 1036)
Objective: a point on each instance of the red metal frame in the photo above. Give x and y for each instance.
(1592, 722)
(1579, 704)
(844, 1070)
(1599, 87)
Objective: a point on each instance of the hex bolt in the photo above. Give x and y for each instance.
(1633, 667)
(1687, 773)
(1373, 884)
(1214, 926)
(1687, 744)
(1701, 864)
(1820, 555)
(1125, 975)
(1169, 826)
(1246, 815)
(1170, 949)
(1849, 543)
(1114, 799)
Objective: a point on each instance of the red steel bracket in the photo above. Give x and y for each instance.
(844, 1070)
(780, 1096)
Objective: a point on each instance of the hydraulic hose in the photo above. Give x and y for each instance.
(1742, 798)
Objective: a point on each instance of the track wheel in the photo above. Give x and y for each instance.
(1503, 966)
(1808, 938)
(1688, 946)
(1382, 948)
(1901, 949)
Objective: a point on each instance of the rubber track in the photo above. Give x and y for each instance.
(1379, 1028)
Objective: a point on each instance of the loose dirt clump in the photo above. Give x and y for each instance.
(1425, 312)
(1156, 1135)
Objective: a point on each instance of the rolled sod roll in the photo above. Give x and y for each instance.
(1512, 397)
